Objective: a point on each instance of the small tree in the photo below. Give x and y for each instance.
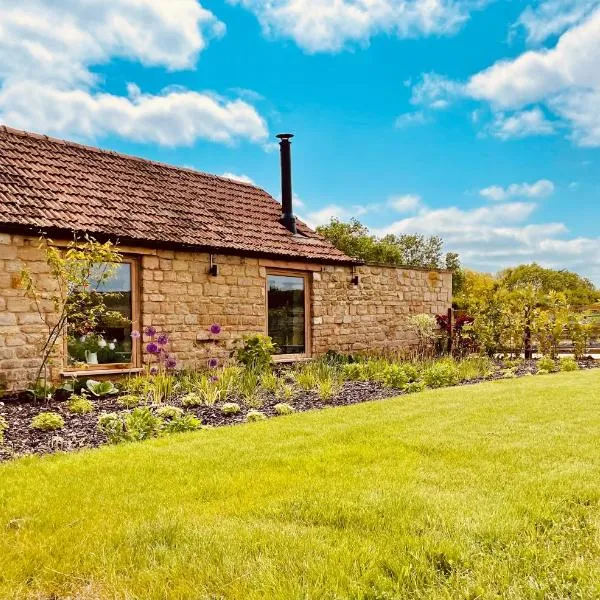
(550, 323)
(78, 272)
(426, 330)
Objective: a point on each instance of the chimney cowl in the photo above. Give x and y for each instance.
(287, 213)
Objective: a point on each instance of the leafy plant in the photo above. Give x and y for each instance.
(568, 364)
(395, 376)
(3, 428)
(248, 384)
(414, 386)
(268, 381)
(161, 387)
(47, 421)
(546, 364)
(425, 329)
(130, 400)
(169, 412)
(256, 352)
(284, 390)
(474, 367)
(208, 390)
(80, 404)
(282, 408)
(327, 389)
(113, 426)
(255, 415)
(181, 424)
(191, 400)
(141, 424)
(441, 373)
(230, 408)
(101, 388)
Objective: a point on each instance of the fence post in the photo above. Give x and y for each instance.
(450, 329)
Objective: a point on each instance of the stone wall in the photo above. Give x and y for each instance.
(179, 296)
(373, 314)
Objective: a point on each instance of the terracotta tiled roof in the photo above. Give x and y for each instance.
(57, 186)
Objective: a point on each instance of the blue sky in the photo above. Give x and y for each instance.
(475, 120)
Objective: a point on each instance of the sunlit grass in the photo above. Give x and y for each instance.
(484, 491)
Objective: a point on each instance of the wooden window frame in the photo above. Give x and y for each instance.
(136, 348)
(307, 312)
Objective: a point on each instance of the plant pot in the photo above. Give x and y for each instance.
(91, 358)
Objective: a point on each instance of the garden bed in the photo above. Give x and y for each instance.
(81, 430)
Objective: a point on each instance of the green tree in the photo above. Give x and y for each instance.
(77, 273)
(578, 290)
(411, 250)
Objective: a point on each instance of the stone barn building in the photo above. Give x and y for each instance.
(198, 250)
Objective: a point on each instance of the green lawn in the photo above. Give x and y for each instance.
(486, 491)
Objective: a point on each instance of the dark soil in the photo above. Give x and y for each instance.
(80, 431)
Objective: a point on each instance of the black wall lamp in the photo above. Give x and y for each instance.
(214, 267)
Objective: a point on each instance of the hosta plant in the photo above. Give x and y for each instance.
(546, 364)
(101, 388)
(568, 364)
(181, 424)
(169, 412)
(130, 400)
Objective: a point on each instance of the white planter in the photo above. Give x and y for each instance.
(91, 358)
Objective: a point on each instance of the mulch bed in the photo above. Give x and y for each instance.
(80, 431)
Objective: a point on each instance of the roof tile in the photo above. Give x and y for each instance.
(50, 183)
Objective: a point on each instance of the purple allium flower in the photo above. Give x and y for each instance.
(135, 334)
(162, 339)
(154, 370)
(171, 362)
(214, 379)
(150, 331)
(213, 363)
(152, 348)
(215, 329)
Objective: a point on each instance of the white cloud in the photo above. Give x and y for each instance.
(521, 124)
(539, 189)
(565, 78)
(406, 203)
(240, 178)
(410, 119)
(435, 91)
(318, 26)
(490, 238)
(553, 17)
(333, 211)
(47, 51)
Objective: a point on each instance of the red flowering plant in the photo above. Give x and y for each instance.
(462, 340)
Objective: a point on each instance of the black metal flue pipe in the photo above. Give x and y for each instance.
(287, 212)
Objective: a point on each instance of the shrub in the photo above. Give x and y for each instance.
(284, 409)
(546, 364)
(129, 400)
(112, 425)
(80, 405)
(181, 423)
(394, 376)
(426, 329)
(230, 408)
(512, 363)
(256, 352)
(411, 371)
(3, 428)
(47, 421)
(141, 424)
(191, 400)
(414, 386)
(353, 371)
(568, 364)
(255, 415)
(101, 388)
(169, 412)
(440, 374)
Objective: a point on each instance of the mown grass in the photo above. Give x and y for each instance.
(483, 491)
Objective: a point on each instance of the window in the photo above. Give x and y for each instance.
(287, 312)
(109, 344)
